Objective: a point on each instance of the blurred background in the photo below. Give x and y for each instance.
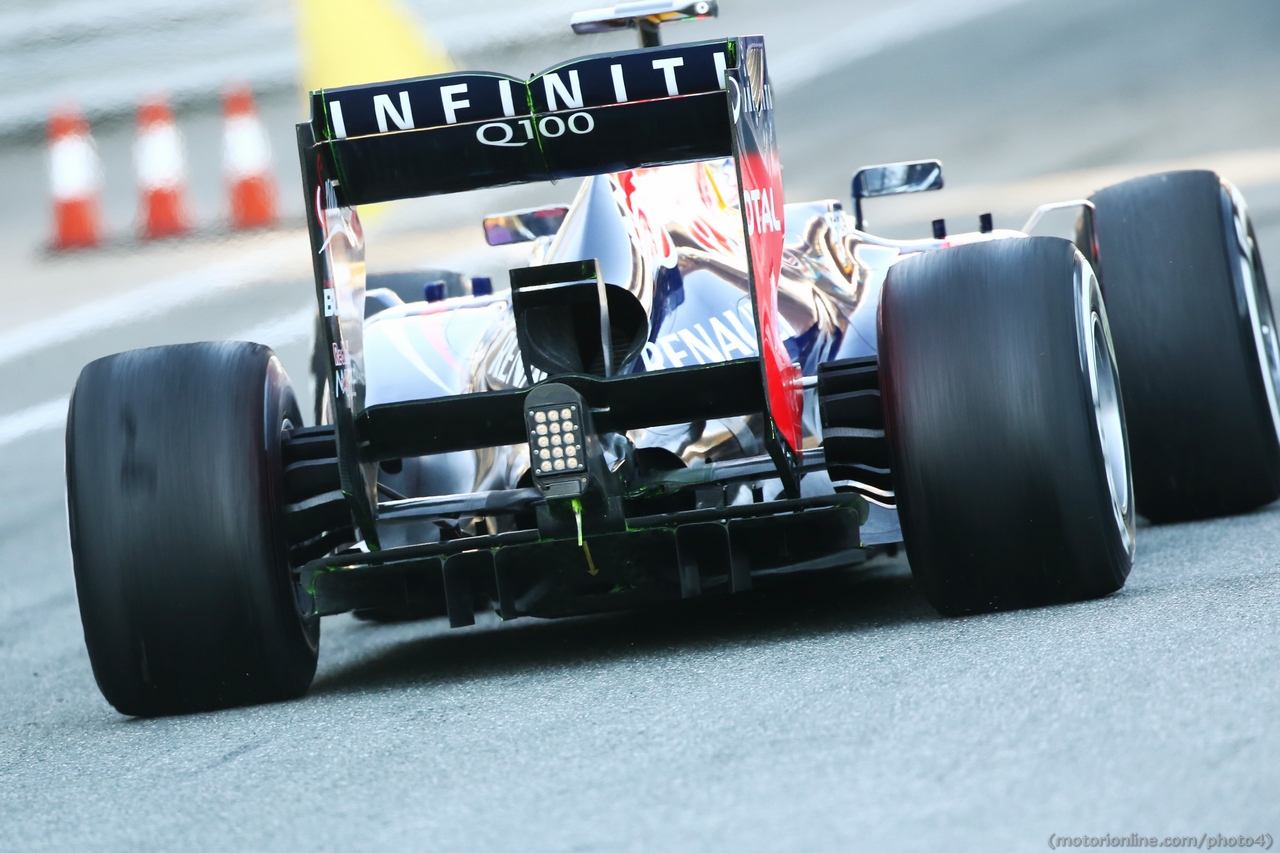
(873, 724)
(1025, 101)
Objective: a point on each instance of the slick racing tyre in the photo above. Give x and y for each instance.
(1195, 342)
(1005, 426)
(174, 495)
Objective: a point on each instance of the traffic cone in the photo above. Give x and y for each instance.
(246, 162)
(75, 178)
(162, 173)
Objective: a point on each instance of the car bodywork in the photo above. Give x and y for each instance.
(736, 431)
(673, 237)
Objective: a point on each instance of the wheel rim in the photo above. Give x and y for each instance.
(302, 600)
(1258, 299)
(1108, 411)
(1110, 424)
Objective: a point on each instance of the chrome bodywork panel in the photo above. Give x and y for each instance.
(673, 237)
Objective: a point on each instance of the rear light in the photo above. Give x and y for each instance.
(555, 440)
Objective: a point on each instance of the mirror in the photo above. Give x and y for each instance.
(894, 179)
(522, 226)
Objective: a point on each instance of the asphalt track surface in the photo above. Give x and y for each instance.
(841, 713)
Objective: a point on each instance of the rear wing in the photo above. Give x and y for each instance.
(458, 132)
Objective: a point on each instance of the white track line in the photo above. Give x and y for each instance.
(863, 37)
(280, 332)
(151, 300)
(50, 415)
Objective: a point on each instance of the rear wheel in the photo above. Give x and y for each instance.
(1004, 420)
(1196, 343)
(175, 501)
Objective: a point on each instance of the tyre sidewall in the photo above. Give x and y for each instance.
(1203, 438)
(175, 506)
(988, 410)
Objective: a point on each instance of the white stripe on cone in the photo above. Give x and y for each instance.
(246, 151)
(158, 159)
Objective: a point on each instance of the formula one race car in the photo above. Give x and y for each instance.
(693, 388)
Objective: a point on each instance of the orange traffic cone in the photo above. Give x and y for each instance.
(75, 178)
(162, 173)
(246, 162)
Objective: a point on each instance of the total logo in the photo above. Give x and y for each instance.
(760, 208)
